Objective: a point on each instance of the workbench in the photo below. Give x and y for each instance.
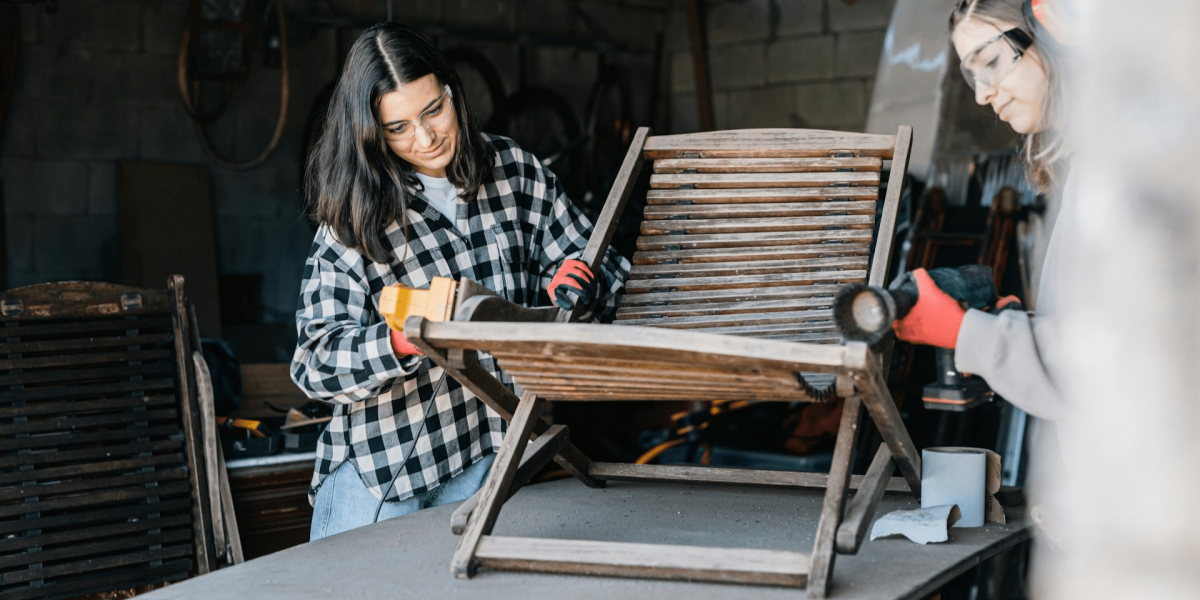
(410, 556)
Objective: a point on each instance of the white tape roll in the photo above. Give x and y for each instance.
(951, 475)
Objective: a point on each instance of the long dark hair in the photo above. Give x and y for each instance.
(356, 185)
(1046, 151)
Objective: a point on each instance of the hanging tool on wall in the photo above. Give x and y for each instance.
(215, 47)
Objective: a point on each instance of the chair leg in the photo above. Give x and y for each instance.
(495, 395)
(499, 482)
(821, 569)
(870, 383)
(536, 455)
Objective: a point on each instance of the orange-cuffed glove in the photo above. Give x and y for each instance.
(936, 317)
(572, 284)
(402, 347)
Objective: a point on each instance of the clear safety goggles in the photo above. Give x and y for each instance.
(990, 62)
(432, 117)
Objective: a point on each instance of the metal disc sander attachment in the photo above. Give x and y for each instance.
(864, 313)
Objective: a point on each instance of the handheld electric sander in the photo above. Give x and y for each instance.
(865, 313)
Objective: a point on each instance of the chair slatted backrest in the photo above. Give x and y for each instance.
(97, 479)
(753, 232)
(748, 233)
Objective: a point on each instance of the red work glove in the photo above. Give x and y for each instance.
(572, 283)
(401, 346)
(936, 317)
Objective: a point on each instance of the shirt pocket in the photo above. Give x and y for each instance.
(508, 257)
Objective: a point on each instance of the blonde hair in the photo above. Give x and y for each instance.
(1046, 151)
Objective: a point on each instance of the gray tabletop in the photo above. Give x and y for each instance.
(409, 557)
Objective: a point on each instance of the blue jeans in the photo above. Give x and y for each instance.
(344, 503)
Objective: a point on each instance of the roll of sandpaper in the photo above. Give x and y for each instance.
(951, 475)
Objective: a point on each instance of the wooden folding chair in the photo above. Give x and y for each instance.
(105, 481)
(747, 236)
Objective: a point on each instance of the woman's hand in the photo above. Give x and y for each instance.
(572, 284)
(402, 347)
(936, 317)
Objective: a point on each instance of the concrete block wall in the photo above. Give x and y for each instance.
(97, 84)
(781, 63)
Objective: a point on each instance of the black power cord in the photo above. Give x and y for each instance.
(432, 400)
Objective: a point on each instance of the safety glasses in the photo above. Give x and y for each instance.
(990, 62)
(432, 117)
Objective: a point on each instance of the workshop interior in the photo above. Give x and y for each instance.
(728, 376)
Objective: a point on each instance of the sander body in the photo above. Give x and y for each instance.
(865, 313)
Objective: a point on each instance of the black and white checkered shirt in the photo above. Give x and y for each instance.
(511, 238)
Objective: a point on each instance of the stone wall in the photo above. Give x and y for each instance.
(782, 63)
(98, 84)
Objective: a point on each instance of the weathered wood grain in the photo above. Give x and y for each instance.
(656, 561)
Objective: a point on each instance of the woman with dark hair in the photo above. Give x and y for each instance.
(405, 188)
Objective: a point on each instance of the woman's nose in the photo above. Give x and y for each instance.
(423, 135)
(984, 93)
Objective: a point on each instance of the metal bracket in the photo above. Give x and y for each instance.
(12, 307)
(131, 301)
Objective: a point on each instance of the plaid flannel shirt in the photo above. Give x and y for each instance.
(511, 239)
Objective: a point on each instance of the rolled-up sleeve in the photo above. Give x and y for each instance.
(343, 350)
(1013, 352)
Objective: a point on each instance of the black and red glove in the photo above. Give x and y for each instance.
(572, 284)
(936, 317)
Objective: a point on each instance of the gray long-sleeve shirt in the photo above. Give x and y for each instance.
(1015, 352)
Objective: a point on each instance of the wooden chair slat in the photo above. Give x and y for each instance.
(68, 587)
(81, 406)
(769, 143)
(747, 227)
(40, 441)
(16, 543)
(641, 376)
(749, 253)
(723, 308)
(706, 181)
(683, 394)
(82, 423)
(76, 375)
(764, 165)
(67, 456)
(122, 341)
(662, 297)
(760, 209)
(98, 564)
(107, 548)
(84, 391)
(812, 319)
(754, 180)
(47, 490)
(95, 499)
(759, 267)
(730, 196)
(594, 340)
(100, 515)
(711, 283)
(92, 358)
(797, 332)
(76, 326)
(758, 239)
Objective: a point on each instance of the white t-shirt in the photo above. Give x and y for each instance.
(441, 194)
